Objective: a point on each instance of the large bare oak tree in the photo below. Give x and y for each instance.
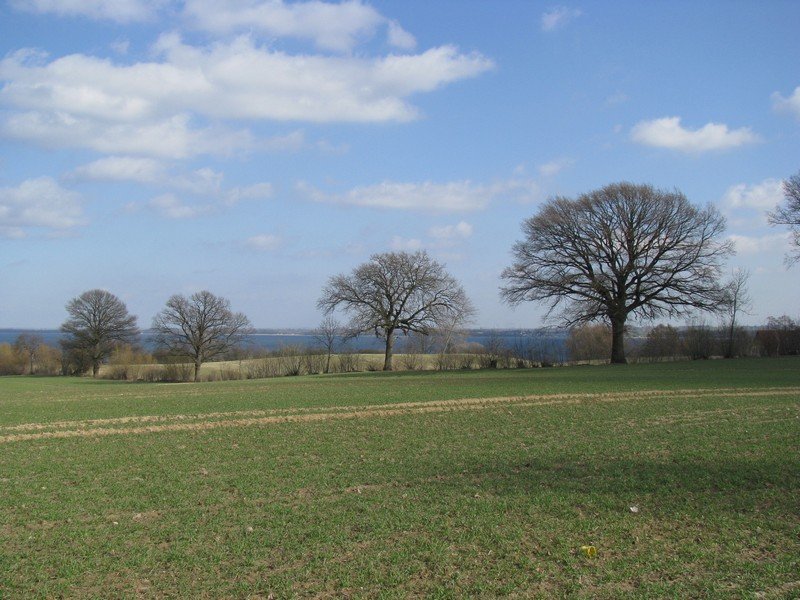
(397, 291)
(788, 213)
(199, 328)
(98, 321)
(618, 252)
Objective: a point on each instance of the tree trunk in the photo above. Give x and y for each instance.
(387, 360)
(95, 368)
(618, 341)
(197, 364)
(328, 363)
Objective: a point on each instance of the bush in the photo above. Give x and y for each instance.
(410, 362)
(11, 361)
(589, 342)
(177, 372)
(663, 341)
(349, 362)
(699, 341)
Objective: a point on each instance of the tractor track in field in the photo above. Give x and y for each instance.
(137, 425)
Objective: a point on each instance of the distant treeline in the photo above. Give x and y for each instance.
(38, 353)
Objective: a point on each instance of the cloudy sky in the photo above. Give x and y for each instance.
(254, 148)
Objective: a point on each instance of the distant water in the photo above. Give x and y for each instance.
(553, 341)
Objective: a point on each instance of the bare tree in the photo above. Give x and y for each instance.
(199, 328)
(397, 291)
(621, 251)
(328, 333)
(28, 345)
(98, 321)
(788, 213)
(737, 302)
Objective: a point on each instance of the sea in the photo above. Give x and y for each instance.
(276, 339)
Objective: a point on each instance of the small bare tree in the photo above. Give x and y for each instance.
(621, 251)
(396, 291)
(28, 345)
(738, 302)
(200, 327)
(788, 213)
(328, 334)
(98, 321)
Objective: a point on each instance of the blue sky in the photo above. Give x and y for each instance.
(254, 148)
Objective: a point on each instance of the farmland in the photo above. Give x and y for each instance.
(684, 476)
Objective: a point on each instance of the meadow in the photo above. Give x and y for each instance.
(684, 477)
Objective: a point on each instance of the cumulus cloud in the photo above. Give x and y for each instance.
(264, 242)
(172, 207)
(401, 244)
(121, 11)
(257, 191)
(790, 104)
(38, 204)
(760, 196)
(458, 196)
(148, 171)
(122, 168)
(669, 133)
(770, 243)
(171, 138)
(338, 27)
(161, 108)
(554, 167)
(462, 230)
(558, 17)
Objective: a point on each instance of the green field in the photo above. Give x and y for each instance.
(685, 477)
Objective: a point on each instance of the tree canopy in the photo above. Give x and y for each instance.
(397, 291)
(98, 322)
(200, 327)
(622, 251)
(788, 213)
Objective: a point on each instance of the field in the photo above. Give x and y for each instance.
(685, 478)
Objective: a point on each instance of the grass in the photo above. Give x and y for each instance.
(435, 498)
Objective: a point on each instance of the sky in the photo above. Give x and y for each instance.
(255, 148)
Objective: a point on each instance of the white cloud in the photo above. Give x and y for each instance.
(770, 243)
(558, 17)
(790, 104)
(330, 26)
(38, 204)
(171, 207)
(554, 167)
(399, 37)
(122, 168)
(161, 108)
(455, 196)
(669, 133)
(616, 99)
(172, 138)
(258, 191)
(462, 230)
(122, 11)
(148, 171)
(401, 244)
(264, 242)
(761, 196)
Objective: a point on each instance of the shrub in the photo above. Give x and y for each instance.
(589, 342)
(11, 361)
(663, 341)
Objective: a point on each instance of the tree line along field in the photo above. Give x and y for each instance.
(682, 476)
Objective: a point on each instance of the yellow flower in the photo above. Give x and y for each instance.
(589, 551)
